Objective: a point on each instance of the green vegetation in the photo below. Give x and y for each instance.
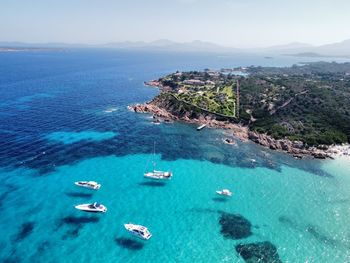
(310, 103)
(203, 91)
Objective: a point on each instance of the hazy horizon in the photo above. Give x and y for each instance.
(173, 41)
(237, 23)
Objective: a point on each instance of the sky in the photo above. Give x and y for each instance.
(234, 23)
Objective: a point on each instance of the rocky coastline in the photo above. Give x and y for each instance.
(163, 108)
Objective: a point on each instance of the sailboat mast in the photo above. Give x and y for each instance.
(154, 156)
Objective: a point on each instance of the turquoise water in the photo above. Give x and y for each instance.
(57, 127)
(181, 214)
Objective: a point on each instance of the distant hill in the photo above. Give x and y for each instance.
(161, 44)
(336, 49)
(164, 44)
(290, 46)
(306, 54)
(340, 49)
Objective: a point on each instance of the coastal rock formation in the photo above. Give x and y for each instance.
(263, 252)
(170, 109)
(167, 107)
(296, 148)
(150, 108)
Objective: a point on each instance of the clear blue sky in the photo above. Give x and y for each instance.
(240, 23)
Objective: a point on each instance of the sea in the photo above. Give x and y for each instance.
(64, 118)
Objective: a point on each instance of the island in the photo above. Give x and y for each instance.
(28, 49)
(302, 109)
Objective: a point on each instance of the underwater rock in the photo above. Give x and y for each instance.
(25, 230)
(42, 247)
(234, 226)
(322, 237)
(262, 252)
(288, 221)
(75, 222)
(71, 233)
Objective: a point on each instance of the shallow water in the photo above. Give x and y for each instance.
(57, 127)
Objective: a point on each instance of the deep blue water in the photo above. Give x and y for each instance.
(63, 118)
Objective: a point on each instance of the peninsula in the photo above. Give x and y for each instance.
(301, 109)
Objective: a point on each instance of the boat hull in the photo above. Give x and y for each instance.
(86, 208)
(130, 229)
(222, 194)
(155, 177)
(96, 187)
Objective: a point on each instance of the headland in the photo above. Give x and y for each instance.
(303, 110)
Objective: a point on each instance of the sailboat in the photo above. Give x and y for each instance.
(157, 175)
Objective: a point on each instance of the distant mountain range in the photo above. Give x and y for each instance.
(162, 44)
(165, 44)
(340, 49)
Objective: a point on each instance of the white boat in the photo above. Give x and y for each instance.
(168, 121)
(157, 175)
(201, 127)
(224, 192)
(138, 231)
(156, 122)
(93, 208)
(229, 141)
(88, 184)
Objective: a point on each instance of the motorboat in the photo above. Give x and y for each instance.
(138, 231)
(156, 121)
(88, 184)
(224, 192)
(201, 127)
(93, 208)
(168, 121)
(158, 175)
(229, 141)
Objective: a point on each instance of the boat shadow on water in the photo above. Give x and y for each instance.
(220, 199)
(77, 194)
(129, 243)
(153, 184)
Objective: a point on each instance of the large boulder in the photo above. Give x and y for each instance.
(286, 145)
(298, 144)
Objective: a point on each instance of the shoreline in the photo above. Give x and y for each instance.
(243, 133)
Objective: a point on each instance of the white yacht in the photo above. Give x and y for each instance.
(156, 121)
(94, 208)
(157, 175)
(201, 127)
(138, 230)
(224, 192)
(88, 184)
